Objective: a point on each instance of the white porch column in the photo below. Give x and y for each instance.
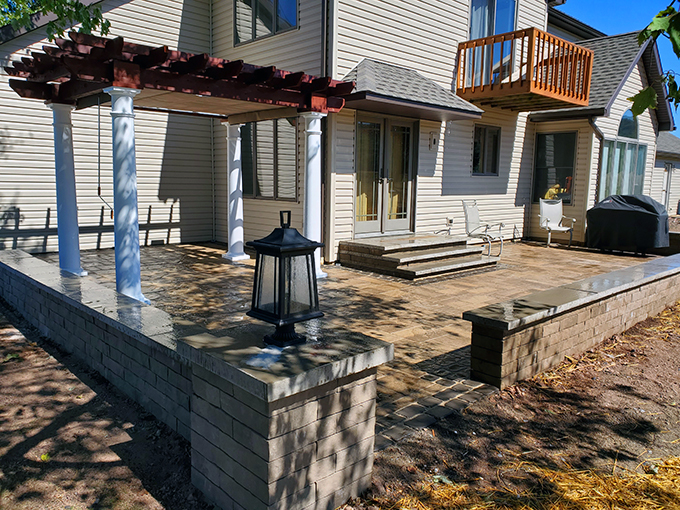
(312, 206)
(235, 194)
(125, 221)
(67, 209)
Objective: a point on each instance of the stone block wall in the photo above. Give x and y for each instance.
(294, 437)
(313, 450)
(502, 355)
(147, 372)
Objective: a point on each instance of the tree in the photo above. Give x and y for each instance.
(665, 24)
(23, 14)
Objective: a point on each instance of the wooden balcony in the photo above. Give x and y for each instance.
(525, 70)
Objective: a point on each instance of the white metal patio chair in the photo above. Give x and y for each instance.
(475, 228)
(551, 218)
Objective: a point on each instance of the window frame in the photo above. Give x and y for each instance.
(611, 144)
(493, 21)
(497, 163)
(535, 197)
(275, 175)
(274, 32)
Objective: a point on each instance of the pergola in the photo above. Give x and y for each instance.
(87, 70)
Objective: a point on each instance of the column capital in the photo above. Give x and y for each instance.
(62, 107)
(121, 91)
(312, 115)
(233, 130)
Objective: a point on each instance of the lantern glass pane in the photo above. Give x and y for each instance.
(298, 285)
(268, 280)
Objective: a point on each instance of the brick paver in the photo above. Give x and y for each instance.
(427, 379)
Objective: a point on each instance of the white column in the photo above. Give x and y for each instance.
(125, 220)
(67, 209)
(312, 206)
(235, 194)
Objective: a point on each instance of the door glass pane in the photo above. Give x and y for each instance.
(399, 168)
(617, 176)
(286, 167)
(368, 170)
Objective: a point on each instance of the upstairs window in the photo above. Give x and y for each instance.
(269, 159)
(623, 161)
(491, 17)
(254, 19)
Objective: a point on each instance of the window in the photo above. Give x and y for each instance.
(491, 17)
(486, 150)
(623, 161)
(554, 166)
(269, 159)
(259, 18)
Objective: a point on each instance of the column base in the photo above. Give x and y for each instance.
(235, 257)
(78, 272)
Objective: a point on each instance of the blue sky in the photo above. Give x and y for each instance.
(621, 16)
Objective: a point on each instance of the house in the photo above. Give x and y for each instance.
(666, 176)
(401, 155)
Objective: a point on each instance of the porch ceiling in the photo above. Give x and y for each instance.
(76, 72)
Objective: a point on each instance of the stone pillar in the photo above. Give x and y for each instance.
(67, 209)
(125, 221)
(312, 206)
(235, 194)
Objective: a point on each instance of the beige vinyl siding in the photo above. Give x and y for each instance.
(296, 50)
(445, 176)
(420, 35)
(585, 161)
(674, 196)
(174, 161)
(341, 182)
(646, 121)
(261, 215)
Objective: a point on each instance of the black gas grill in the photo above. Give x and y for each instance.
(627, 223)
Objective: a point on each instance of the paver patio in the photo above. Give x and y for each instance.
(427, 379)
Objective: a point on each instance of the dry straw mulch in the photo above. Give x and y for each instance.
(556, 490)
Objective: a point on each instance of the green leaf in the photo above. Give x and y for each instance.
(644, 99)
(45, 457)
(11, 356)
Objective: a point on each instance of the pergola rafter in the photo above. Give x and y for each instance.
(84, 65)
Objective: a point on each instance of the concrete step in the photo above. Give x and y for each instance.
(425, 269)
(384, 245)
(428, 255)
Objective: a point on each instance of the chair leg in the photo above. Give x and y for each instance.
(549, 235)
(571, 234)
(501, 250)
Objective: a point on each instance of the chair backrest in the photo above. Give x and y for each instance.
(550, 210)
(472, 221)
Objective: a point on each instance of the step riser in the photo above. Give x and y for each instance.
(357, 247)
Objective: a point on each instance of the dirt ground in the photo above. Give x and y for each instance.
(69, 441)
(616, 409)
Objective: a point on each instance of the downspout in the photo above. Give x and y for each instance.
(325, 199)
(600, 135)
(212, 133)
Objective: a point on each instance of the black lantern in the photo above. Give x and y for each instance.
(284, 291)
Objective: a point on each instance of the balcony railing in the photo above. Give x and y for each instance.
(524, 70)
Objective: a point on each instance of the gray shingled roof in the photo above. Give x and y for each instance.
(613, 58)
(667, 143)
(404, 84)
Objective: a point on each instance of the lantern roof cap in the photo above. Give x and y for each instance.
(284, 239)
